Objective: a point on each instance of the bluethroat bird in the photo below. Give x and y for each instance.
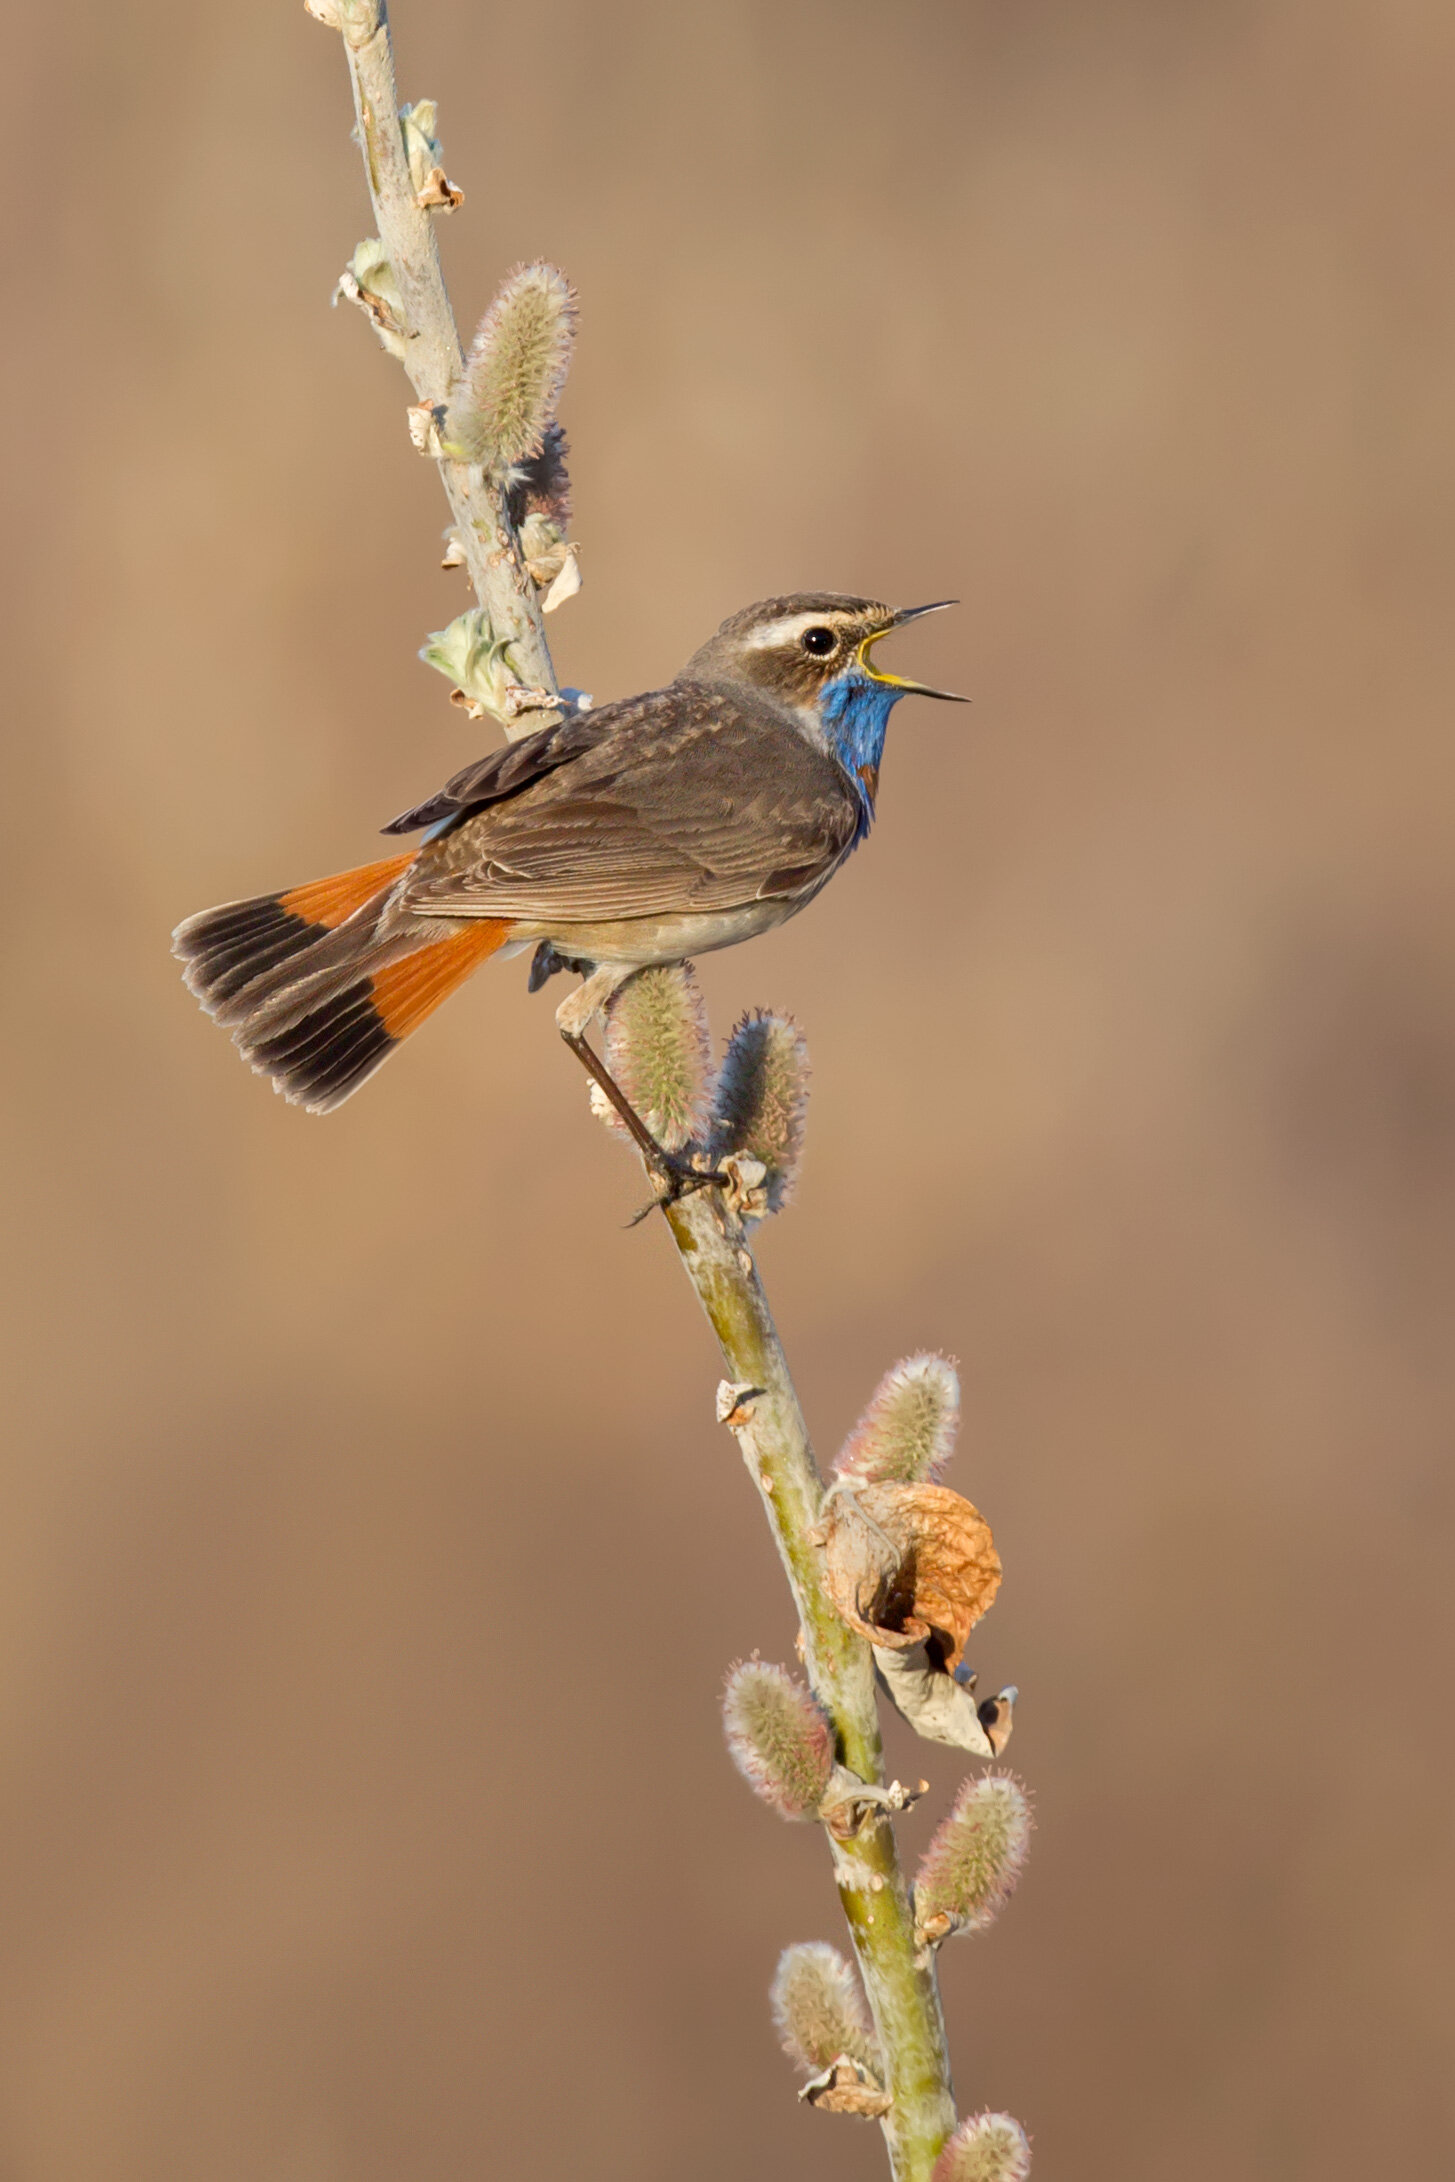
(636, 833)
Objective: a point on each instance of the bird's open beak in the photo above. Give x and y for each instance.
(897, 681)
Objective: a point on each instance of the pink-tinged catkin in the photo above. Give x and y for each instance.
(907, 1433)
(780, 1739)
(659, 1049)
(819, 2008)
(987, 2148)
(761, 1106)
(507, 394)
(970, 1868)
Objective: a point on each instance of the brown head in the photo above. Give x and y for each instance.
(795, 647)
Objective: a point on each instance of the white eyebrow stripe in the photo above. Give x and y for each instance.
(788, 629)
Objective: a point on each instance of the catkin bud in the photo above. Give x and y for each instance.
(987, 2148)
(368, 280)
(762, 1100)
(422, 148)
(517, 365)
(780, 1740)
(659, 1050)
(433, 189)
(970, 1868)
(819, 2008)
(907, 1433)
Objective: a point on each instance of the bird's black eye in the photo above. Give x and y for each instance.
(819, 641)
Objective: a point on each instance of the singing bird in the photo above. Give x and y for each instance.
(636, 833)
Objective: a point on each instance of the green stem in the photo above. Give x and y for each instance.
(773, 1438)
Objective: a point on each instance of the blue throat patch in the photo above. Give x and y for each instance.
(855, 713)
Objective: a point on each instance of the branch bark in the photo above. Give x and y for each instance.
(432, 353)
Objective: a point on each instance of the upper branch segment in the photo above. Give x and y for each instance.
(431, 343)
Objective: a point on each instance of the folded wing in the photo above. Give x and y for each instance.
(692, 801)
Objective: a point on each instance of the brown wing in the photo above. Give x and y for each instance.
(503, 773)
(694, 800)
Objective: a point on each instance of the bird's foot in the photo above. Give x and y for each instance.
(677, 1175)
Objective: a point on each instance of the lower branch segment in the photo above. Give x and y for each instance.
(764, 1413)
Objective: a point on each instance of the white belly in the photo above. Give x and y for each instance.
(635, 942)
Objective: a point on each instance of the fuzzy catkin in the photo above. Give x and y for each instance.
(987, 2148)
(780, 1739)
(819, 2008)
(970, 1868)
(907, 1433)
(762, 1100)
(514, 373)
(659, 1049)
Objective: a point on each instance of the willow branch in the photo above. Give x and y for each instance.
(762, 1410)
(760, 1405)
(431, 343)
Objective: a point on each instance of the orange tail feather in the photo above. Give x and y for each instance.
(319, 990)
(331, 901)
(408, 991)
(320, 1058)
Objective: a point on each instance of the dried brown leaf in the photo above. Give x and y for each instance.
(910, 1564)
(438, 193)
(845, 2088)
(936, 1704)
(997, 1717)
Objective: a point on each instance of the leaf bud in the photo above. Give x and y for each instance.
(433, 190)
(907, 1433)
(987, 2148)
(762, 1100)
(779, 1737)
(659, 1050)
(506, 396)
(368, 280)
(970, 1868)
(819, 2009)
(470, 654)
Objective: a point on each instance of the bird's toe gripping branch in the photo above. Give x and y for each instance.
(737, 1128)
(660, 1070)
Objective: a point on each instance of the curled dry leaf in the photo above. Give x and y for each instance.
(746, 1194)
(528, 697)
(564, 584)
(936, 1706)
(997, 1717)
(735, 1399)
(908, 1565)
(846, 2088)
(848, 1801)
(437, 193)
(423, 419)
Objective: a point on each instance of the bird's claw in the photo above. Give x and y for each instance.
(677, 1177)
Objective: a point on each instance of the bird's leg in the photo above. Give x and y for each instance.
(572, 1017)
(655, 1154)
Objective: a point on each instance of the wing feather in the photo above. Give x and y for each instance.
(692, 800)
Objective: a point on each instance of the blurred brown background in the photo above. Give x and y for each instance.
(369, 1558)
